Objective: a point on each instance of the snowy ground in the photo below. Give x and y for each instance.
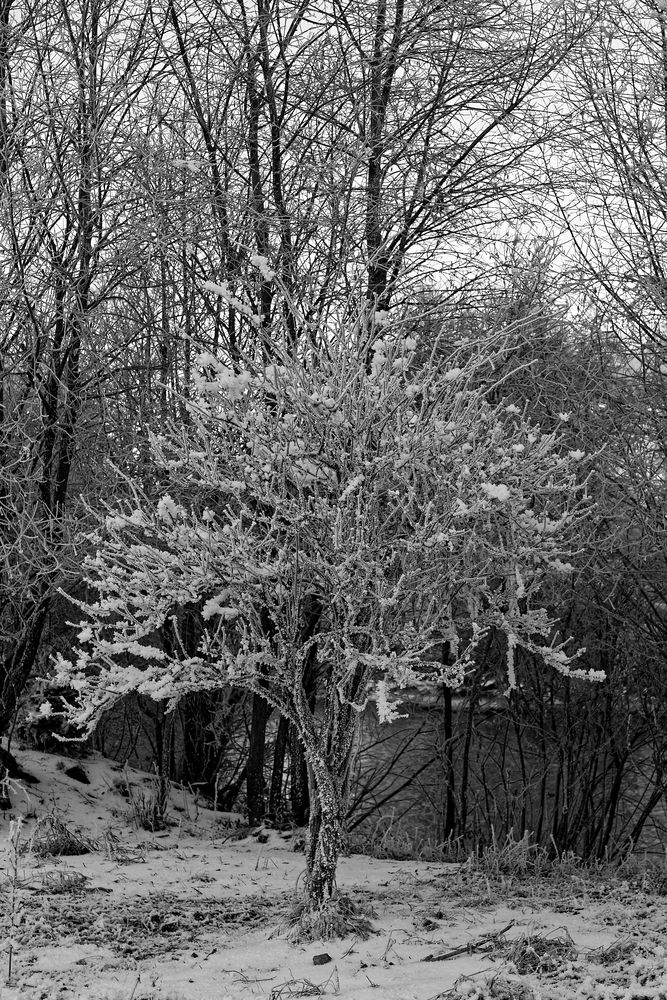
(194, 913)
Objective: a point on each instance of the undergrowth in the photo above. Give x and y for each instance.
(395, 841)
(51, 837)
(149, 808)
(337, 917)
(13, 906)
(520, 860)
(490, 986)
(538, 953)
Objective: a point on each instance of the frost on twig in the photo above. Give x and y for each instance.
(352, 514)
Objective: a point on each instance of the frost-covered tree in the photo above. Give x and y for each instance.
(335, 512)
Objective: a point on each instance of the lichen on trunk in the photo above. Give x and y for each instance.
(324, 842)
(328, 780)
(326, 913)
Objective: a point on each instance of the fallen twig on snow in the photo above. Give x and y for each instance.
(478, 945)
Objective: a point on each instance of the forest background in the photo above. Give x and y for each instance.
(233, 182)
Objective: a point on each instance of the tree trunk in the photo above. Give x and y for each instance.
(328, 771)
(473, 705)
(276, 789)
(255, 783)
(324, 834)
(448, 733)
(226, 796)
(299, 788)
(8, 769)
(328, 779)
(205, 740)
(299, 782)
(16, 666)
(194, 711)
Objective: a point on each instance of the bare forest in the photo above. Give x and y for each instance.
(333, 419)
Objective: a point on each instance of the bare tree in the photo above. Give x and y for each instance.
(616, 179)
(69, 75)
(350, 144)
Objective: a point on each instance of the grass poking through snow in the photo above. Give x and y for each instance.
(338, 917)
(538, 953)
(51, 837)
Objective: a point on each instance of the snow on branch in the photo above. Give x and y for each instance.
(358, 512)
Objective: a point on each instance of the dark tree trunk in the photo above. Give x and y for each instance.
(276, 789)
(8, 763)
(448, 734)
(228, 794)
(299, 789)
(299, 782)
(450, 802)
(620, 760)
(163, 725)
(8, 769)
(194, 711)
(16, 666)
(255, 783)
(205, 744)
(473, 705)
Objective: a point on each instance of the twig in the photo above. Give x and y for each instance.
(485, 939)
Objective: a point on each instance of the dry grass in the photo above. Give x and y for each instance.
(492, 986)
(518, 858)
(306, 988)
(296, 988)
(338, 917)
(615, 952)
(119, 852)
(63, 881)
(647, 875)
(159, 923)
(149, 808)
(521, 859)
(537, 954)
(499, 987)
(52, 838)
(400, 841)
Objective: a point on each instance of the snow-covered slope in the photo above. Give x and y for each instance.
(192, 913)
